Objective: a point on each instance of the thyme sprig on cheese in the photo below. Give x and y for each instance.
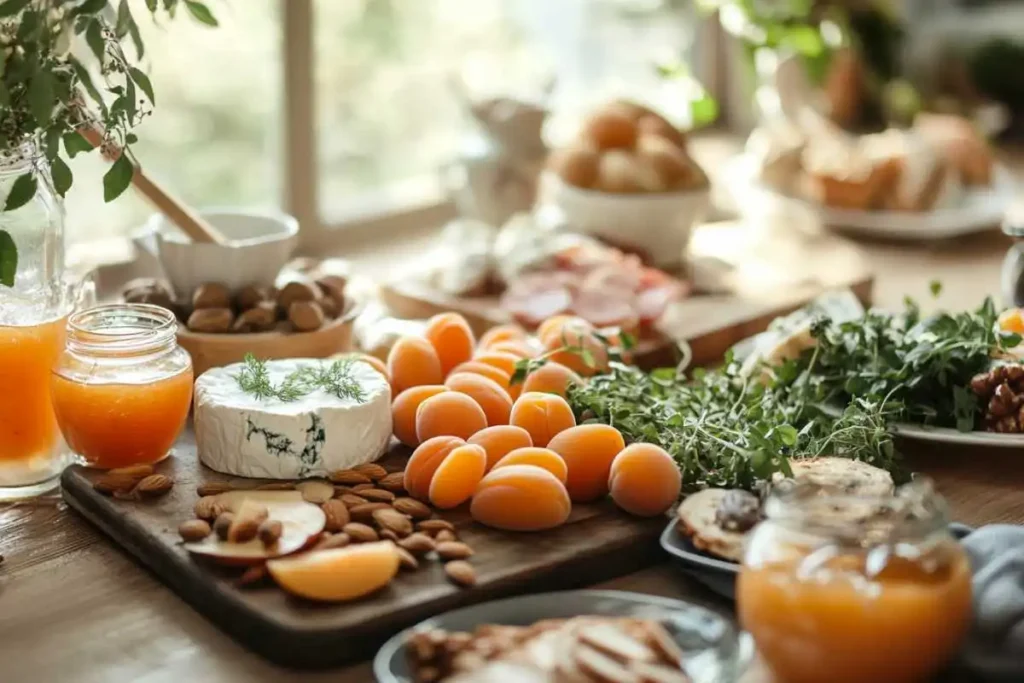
(335, 379)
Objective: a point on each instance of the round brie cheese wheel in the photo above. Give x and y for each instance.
(241, 434)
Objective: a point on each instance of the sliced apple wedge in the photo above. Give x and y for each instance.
(300, 521)
(337, 574)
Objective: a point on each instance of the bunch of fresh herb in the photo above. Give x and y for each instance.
(334, 378)
(48, 94)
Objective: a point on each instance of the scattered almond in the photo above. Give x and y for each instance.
(209, 508)
(360, 533)
(242, 530)
(445, 535)
(253, 575)
(372, 470)
(393, 520)
(364, 512)
(377, 495)
(109, 483)
(394, 482)
(277, 486)
(212, 488)
(348, 477)
(269, 531)
(222, 525)
(194, 530)
(453, 550)
(389, 535)
(417, 544)
(406, 560)
(136, 471)
(359, 488)
(154, 485)
(337, 515)
(461, 572)
(412, 507)
(328, 541)
(434, 525)
(315, 491)
(351, 500)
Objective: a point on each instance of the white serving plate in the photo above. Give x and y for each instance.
(955, 436)
(980, 210)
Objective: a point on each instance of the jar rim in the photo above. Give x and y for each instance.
(121, 328)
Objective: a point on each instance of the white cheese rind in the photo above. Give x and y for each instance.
(238, 434)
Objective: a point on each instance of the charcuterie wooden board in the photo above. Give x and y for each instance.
(744, 279)
(598, 543)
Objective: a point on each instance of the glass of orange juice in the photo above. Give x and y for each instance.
(122, 387)
(848, 589)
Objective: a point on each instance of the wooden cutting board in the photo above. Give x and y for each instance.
(746, 276)
(598, 542)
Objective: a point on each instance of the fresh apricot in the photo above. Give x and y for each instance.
(505, 362)
(374, 362)
(501, 333)
(572, 346)
(542, 415)
(449, 414)
(552, 327)
(543, 458)
(551, 378)
(491, 397)
(488, 371)
(520, 498)
(644, 480)
(337, 574)
(413, 362)
(519, 349)
(588, 451)
(404, 407)
(424, 461)
(500, 440)
(452, 339)
(458, 476)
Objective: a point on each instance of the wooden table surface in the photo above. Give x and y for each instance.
(75, 608)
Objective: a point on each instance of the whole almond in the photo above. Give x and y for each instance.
(434, 525)
(329, 541)
(453, 550)
(417, 544)
(222, 525)
(364, 512)
(351, 500)
(154, 485)
(337, 515)
(253, 575)
(269, 531)
(243, 530)
(377, 495)
(359, 488)
(209, 508)
(393, 520)
(372, 470)
(412, 507)
(445, 535)
(348, 477)
(277, 486)
(394, 482)
(194, 530)
(406, 560)
(360, 533)
(389, 535)
(461, 572)
(109, 484)
(213, 488)
(315, 491)
(137, 471)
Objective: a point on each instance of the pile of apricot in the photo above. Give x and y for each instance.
(513, 451)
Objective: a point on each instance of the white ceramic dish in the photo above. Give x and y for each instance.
(261, 244)
(658, 225)
(980, 210)
(955, 436)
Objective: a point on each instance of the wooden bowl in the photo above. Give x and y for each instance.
(217, 350)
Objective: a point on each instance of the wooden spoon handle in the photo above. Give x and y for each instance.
(179, 213)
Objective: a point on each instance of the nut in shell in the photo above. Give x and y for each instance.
(260, 318)
(296, 291)
(337, 515)
(154, 485)
(194, 530)
(393, 520)
(210, 320)
(331, 307)
(251, 295)
(306, 316)
(461, 573)
(454, 550)
(211, 295)
(360, 533)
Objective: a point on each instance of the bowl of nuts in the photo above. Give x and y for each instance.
(628, 179)
(300, 319)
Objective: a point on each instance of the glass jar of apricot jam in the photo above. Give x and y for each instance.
(849, 589)
(122, 388)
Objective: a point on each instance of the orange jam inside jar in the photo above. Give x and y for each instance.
(122, 389)
(846, 590)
